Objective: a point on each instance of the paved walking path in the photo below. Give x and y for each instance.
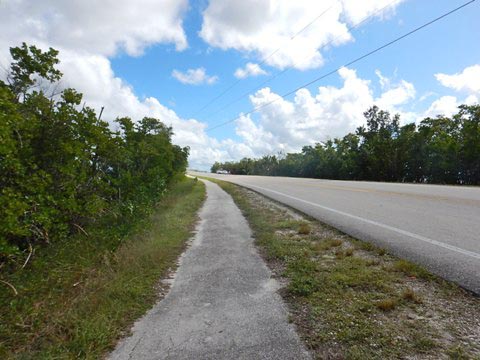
(223, 302)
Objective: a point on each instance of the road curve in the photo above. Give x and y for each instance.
(433, 225)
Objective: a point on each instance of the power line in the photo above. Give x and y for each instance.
(280, 73)
(347, 64)
(262, 62)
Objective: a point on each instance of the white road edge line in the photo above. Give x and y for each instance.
(388, 227)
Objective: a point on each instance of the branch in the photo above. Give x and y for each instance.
(80, 228)
(19, 137)
(29, 255)
(11, 286)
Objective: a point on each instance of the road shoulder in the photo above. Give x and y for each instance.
(350, 299)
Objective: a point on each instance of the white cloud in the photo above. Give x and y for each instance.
(100, 27)
(284, 125)
(355, 11)
(467, 81)
(250, 69)
(194, 76)
(444, 106)
(398, 95)
(426, 95)
(309, 118)
(265, 28)
(94, 76)
(86, 33)
(383, 80)
(448, 106)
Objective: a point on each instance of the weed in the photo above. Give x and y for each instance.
(335, 242)
(411, 269)
(303, 285)
(386, 304)
(287, 224)
(304, 229)
(423, 344)
(327, 244)
(372, 262)
(457, 353)
(365, 245)
(410, 295)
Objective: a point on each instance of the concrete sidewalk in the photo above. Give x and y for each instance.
(223, 302)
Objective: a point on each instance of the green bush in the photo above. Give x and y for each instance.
(62, 168)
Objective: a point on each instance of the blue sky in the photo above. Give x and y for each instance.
(445, 47)
(125, 57)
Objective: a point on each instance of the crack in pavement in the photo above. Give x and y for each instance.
(245, 317)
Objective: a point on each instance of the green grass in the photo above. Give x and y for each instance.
(352, 300)
(77, 299)
(411, 269)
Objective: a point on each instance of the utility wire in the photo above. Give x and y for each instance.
(347, 64)
(261, 63)
(280, 73)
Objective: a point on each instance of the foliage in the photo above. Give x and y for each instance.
(441, 150)
(62, 168)
(30, 65)
(79, 297)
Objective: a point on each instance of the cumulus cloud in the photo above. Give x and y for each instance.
(397, 95)
(287, 125)
(250, 69)
(93, 76)
(194, 76)
(275, 30)
(355, 11)
(444, 106)
(100, 27)
(467, 81)
(87, 33)
(448, 105)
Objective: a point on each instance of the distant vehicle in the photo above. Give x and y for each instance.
(221, 171)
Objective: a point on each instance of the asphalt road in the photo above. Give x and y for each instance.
(223, 303)
(433, 225)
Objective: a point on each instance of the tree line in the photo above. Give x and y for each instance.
(442, 150)
(62, 168)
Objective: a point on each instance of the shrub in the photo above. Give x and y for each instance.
(62, 168)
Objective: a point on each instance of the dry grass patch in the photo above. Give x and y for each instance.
(386, 304)
(410, 295)
(304, 229)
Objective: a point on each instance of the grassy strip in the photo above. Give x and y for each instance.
(78, 302)
(352, 300)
